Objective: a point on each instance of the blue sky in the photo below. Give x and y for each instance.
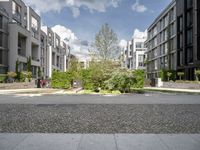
(122, 19)
(82, 19)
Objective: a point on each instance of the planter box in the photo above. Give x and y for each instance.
(181, 85)
(27, 85)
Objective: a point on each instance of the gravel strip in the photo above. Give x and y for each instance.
(85, 118)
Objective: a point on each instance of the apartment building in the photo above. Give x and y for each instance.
(129, 55)
(57, 52)
(161, 42)
(24, 35)
(22, 38)
(135, 51)
(188, 37)
(3, 41)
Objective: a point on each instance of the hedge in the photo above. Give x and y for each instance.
(61, 80)
(3, 78)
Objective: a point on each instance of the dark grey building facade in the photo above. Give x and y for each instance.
(188, 37)
(3, 41)
(182, 47)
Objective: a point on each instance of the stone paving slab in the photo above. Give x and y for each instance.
(139, 142)
(99, 141)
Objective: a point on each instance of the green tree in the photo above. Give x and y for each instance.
(197, 74)
(106, 43)
(29, 64)
(181, 75)
(17, 70)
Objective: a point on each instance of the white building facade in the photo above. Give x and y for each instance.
(135, 51)
(24, 39)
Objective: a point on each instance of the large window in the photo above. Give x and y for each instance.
(141, 60)
(16, 11)
(1, 39)
(139, 45)
(34, 24)
(189, 3)
(189, 55)
(1, 57)
(189, 18)
(189, 37)
(180, 41)
(180, 58)
(1, 22)
(180, 24)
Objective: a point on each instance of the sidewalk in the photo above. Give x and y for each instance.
(32, 91)
(192, 91)
(99, 141)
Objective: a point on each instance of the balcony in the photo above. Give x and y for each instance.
(21, 45)
(35, 52)
(17, 16)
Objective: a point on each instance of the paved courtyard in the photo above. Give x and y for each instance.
(125, 122)
(99, 142)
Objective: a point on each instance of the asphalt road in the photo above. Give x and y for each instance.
(150, 113)
(148, 98)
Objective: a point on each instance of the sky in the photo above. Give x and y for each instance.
(79, 20)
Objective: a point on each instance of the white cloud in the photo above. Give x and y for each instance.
(123, 43)
(64, 33)
(78, 47)
(139, 34)
(57, 5)
(139, 7)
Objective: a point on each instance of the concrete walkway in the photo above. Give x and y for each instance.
(197, 91)
(99, 141)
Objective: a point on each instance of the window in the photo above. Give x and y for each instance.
(189, 18)
(16, 9)
(189, 55)
(141, 60)
(1, 57)
(180, 24)
(34, 24)
(1, 22)
(57, 42)
(189, 3)
(139, 45)
(166, 48)
(189, 37)
(1, 39)
(166, 62)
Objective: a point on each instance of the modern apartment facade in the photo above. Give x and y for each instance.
(161, 42)
(188, 37)
(3, 41)
(22, 38)
(179, 46)
(134, 52)
(57, 52)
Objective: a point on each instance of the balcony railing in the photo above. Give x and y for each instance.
(35, 59)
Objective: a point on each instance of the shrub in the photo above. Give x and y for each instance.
(167, 75)
(139, 77)
(181, 75)
(61, 80)
(124, 80)
(3, 78)
(24, 75)
(12, 74)
(197, 74)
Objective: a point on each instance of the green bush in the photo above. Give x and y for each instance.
(24, 75)
(139, 77)
(3, 78)
(12, 74)
(181, 75)
(124, 80)
(61, 80)
(197, 74)
(167, 75)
